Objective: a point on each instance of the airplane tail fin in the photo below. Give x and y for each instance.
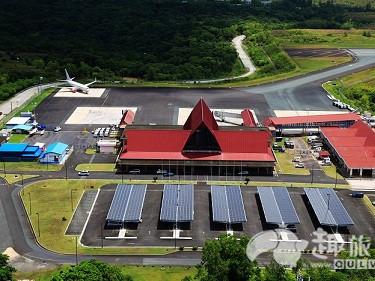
(67, 75)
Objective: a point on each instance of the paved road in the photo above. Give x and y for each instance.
(21, 98)
(300, 93)
(243, 56)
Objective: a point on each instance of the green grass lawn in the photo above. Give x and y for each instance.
(330, 171)
(277, 183)
(51, 199)
(325, 38)
(139, 273)
(13, 178)
(17, 138)
(30, 166)
(90, 151)
(96, 167)
(286, 166)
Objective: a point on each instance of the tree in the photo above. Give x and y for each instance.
(91, 271)
(275, 272)
(6, 270)
(225, 260)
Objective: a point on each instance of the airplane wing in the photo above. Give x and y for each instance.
(88, 84)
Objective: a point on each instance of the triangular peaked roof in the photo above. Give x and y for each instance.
(203, 125)
(201, 114)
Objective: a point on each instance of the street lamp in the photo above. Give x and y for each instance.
(336, 178)
(312, 173)
(29, 203)
(38, 224)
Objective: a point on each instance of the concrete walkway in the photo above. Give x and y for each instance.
(243, 56)
(21, 98)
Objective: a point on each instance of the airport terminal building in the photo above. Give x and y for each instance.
(200, 146)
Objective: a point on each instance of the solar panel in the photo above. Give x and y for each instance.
(135, 203)
(328, 207)
(227, 204)
(177, 203)
(277, 205)
(119, 204)
(127, 204)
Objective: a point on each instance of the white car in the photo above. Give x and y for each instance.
(300, 165)
(57, 129)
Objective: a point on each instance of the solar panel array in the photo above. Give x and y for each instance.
(328, 207)
(277, 205)
(178, 203)
(227, 204)
(127, 204)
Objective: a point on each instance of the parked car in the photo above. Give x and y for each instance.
(279, 139)
(289, 144)
(243, 173)
(135, 172)
(161, 172)
(83, 173)
(57, 129)
(291, 227)
(297, 159)
(300, 165)
(357, 194)
(169, 174)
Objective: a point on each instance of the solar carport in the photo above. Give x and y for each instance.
(227, 204)
(127, 204)
(327, 207)
(177, 203)
(277, 206)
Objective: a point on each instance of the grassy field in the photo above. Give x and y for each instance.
(96, 167)
(29, 167)
(139, 273)
(286, 166)
(325, 38)
(330, 171)
(13, 178)
(337, 88)
(51, 199)
(17, 138)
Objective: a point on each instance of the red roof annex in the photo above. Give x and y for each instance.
(279, 121)
(199, 139)
(355, 145)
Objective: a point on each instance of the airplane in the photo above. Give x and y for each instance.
(76, 86)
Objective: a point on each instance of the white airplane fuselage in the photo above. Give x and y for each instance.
(78, 87)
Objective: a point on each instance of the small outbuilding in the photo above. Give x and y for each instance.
(13, 152)
(22, 129)
(107, 146)
(55, 153)
(17, 121)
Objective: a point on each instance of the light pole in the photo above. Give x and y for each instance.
(29, 203)
(71, 197)
(38, 224)
(101, 234)
(336, 179)
(5, 173)
(76, 251)
(312, 174)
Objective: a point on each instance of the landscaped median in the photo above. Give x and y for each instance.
(29, 167)
(96, 167)
(13, 178)
(51, 199)
(252, 184)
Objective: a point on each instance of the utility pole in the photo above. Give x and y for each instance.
(312, 173)
(38, 225)
(101, 234)
(66, 170)
(336, 179)
(5, 173)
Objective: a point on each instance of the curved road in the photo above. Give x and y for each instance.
(14, 228)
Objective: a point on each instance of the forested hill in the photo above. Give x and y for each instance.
(154, 40)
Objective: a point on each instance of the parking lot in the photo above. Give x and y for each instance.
(149, 231)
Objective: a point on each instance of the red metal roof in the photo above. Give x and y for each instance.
(279, 121)
(355, 145)
(201, 114)
(248, 118)
(127, 118)
(168, 144)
